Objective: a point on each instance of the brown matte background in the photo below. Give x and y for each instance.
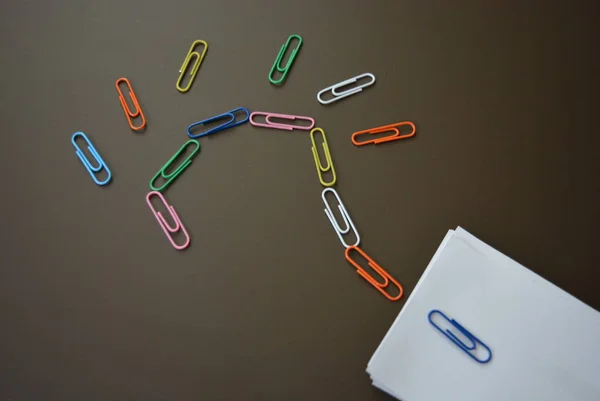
(96, 305)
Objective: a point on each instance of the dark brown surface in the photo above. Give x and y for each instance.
(96, 305)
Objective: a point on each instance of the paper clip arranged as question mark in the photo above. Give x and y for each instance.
(229, 123)
(169, 230)
(184, 67)
(345, 217)
(329, 162)
(92, 170)
(467, 348)
(131, 114)
(270, 124)
(169, 177)
(386, 128)
(277, 64)
(348, 92)
(380, 286)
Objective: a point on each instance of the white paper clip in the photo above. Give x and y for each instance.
(345, 216)
(340, 95)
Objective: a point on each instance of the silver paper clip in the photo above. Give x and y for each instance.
(345, 217)
(348, 92)
(469, 348)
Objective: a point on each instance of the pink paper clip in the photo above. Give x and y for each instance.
(270, 124)
(163, 223)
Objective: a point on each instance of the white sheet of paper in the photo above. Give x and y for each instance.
(545, 343)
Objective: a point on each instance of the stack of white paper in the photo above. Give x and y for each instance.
(544, 343)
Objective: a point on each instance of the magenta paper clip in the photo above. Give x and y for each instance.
(163, 223)
(270, 124)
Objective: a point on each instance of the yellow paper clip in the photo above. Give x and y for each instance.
(320, 168)
(186, 62)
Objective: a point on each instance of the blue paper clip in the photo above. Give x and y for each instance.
(467, 348)
(86, 163)
(230, 123)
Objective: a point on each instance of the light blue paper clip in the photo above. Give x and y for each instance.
(467, 348)
(86, 163)
(230, 123)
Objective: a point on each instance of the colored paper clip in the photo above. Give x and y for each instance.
(229, 123)
(345, 216)
(381, 287)
(386, 128)
(199, 57)
(169, 177)
(467, 348)
(340, 95)
(129, 114)
(168, 229)
(277, 63)
(288, 127)
(86, 163)
(320, 168)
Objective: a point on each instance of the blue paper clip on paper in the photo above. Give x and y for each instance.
(229, 122)
(469, 348)
(93, 170)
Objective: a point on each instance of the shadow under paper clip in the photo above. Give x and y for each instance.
(467, 348)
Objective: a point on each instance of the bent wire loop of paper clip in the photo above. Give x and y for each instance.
(169, 177)
(92, 170)
(277, 64)
(380, 286)
(469, 348)
(385, 128)
(329, 162)
(169, 230)
(348, 92)
(345, 217)
(131, 114)
(229, 122)
(289, 127)
(184, 67)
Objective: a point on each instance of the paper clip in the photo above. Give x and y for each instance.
(276, 64)
(169, 177)
(288, 127)
(340, 95)
(199, 57)
(320, 168)
(86, 163)
(467, 348)
(345, 216)
(229, 123)
(169, 230)
(130, 115)
(386, 128)
(381, 287)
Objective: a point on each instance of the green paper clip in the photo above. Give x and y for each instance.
(276, 64)
(171, 176)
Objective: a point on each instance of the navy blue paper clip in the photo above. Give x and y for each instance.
(229, 123)
(467, 348)
(93, 170)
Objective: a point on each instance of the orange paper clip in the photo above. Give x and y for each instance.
(386, 128)
(129, 114)
(381, 287)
